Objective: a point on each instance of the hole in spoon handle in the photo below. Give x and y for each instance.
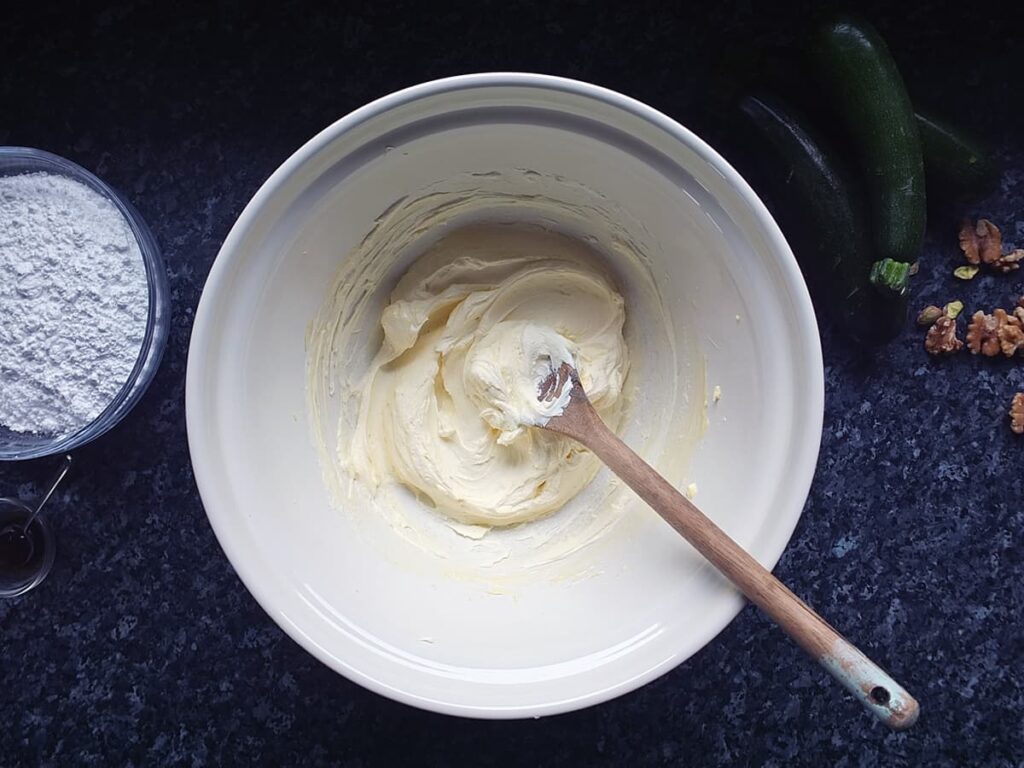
(880, 695)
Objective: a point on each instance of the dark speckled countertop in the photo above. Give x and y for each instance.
(143, 648)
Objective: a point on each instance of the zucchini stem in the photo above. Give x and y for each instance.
(890, 276)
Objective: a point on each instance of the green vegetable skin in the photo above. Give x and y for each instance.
(955, 165)
(862, 80)
(811, 196)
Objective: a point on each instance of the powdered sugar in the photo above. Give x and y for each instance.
(73, 303)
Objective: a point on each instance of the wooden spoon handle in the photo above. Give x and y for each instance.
(879, 693)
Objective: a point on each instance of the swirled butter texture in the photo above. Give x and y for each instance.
(448, 404)
(510, 254)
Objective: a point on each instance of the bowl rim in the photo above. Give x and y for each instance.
(807, 432)
(151, 351)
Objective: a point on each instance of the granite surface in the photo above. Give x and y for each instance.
(143, 648)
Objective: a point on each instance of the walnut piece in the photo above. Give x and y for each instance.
(999, 332)
(1008, 261)
(1011, 331)
(1017, 413)
(941, 338)
(1011, 340)
(969, 243)
(981, 243)
(983, 335)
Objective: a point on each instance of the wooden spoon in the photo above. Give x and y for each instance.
(880, 694)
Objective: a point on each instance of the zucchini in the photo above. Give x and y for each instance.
(861, 80)
(956, 167)
(819, 209)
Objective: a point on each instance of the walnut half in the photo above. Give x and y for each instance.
(982, 243)
(1017, 413)
(999, 332)
(942, 338)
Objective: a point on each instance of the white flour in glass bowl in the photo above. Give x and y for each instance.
(74, 303)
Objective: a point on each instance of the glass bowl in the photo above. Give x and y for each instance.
(16, 445)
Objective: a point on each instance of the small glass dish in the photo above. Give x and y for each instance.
(24, 565)
(16, 445)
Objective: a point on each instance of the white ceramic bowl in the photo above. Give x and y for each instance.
(415, 633)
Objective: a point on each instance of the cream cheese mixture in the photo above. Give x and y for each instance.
(421, 375)
(447, 405)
